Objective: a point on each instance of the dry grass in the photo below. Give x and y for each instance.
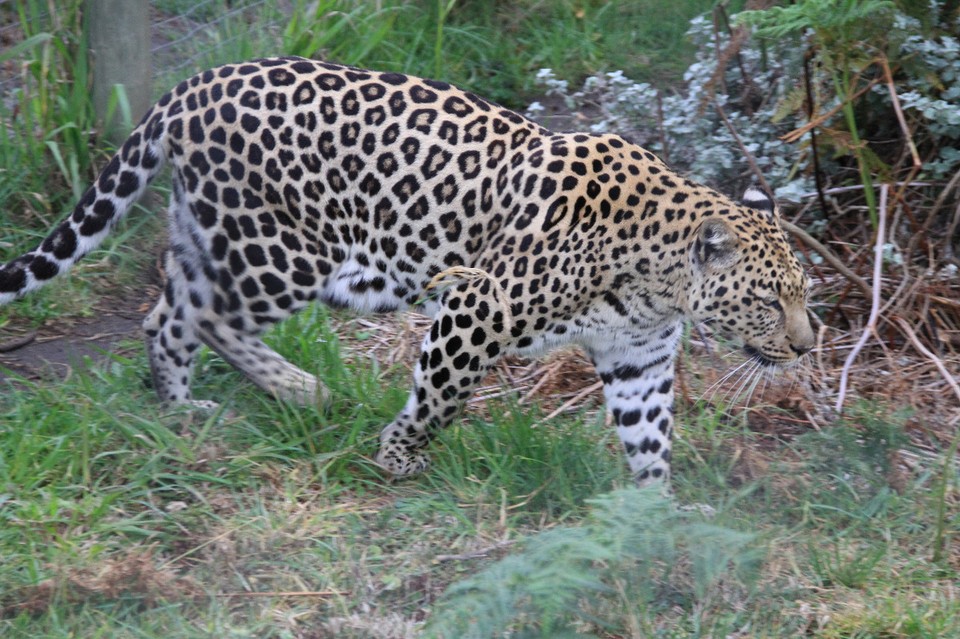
(135, 575)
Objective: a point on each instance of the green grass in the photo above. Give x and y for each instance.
(120, 517)
(492, 48)
(137, 520)
(47, 129)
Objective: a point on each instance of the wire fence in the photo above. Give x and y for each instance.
(181, 40)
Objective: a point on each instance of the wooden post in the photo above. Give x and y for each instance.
(119, 49)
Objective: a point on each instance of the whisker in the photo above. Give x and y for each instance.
(726, 376)
(758, 375)
(746, 381)
(714, 387)
(733, 392)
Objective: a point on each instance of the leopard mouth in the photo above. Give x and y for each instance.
(756, 355)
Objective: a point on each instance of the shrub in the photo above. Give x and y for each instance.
(616, 569)
(813, 57)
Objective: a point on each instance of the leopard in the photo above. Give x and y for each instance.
(297, 181)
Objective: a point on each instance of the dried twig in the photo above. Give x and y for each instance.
(859, 187)
(743, 148)
(573, 401)
(17, 342)
(280, 593)
(547, 374)
(895, 101)
(929, 355)
(915, 157)
(875, 298)
(799, 132)
(934, 210)
(826, 254)
(807, 82)
(951, 230)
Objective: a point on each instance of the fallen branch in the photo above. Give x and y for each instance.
(908, 331)
(280, 593)
(875, 299)
(13, 344)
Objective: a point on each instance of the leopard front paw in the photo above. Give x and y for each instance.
(401, 462)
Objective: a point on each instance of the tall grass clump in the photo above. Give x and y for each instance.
(853, 464)
(513, 456)
(48, 118)
(492, 48)
(949, 477)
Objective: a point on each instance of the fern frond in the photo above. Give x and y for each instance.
(631, 541)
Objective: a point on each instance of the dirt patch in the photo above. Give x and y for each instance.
(64, 345)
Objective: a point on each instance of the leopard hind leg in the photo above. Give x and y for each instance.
(172, 339)
(246, 351)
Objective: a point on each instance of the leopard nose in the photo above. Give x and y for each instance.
(801, 350)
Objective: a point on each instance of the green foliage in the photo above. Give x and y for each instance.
(761, 85)
(852, 464)
(834, 568)
(515, 455)
(835, 23)
(322, 26)
(845, 34)
(46, 130)
(591, 576)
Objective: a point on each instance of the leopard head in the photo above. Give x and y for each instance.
(745, 278)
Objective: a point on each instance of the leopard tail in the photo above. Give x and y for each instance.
(107, 201)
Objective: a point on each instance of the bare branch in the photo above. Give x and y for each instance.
(875, 301)
(798, 133)
(828, 255)
(929, 355)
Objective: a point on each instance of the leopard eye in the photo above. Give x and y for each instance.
(774, 304)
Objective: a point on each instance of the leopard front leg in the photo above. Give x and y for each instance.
(467, 336)
(637, 372)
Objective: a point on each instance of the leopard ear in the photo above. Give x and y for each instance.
(715, 245)
(754, 198)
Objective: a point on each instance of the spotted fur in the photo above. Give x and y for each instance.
(296, 180)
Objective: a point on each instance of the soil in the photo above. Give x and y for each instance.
(66, 344)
